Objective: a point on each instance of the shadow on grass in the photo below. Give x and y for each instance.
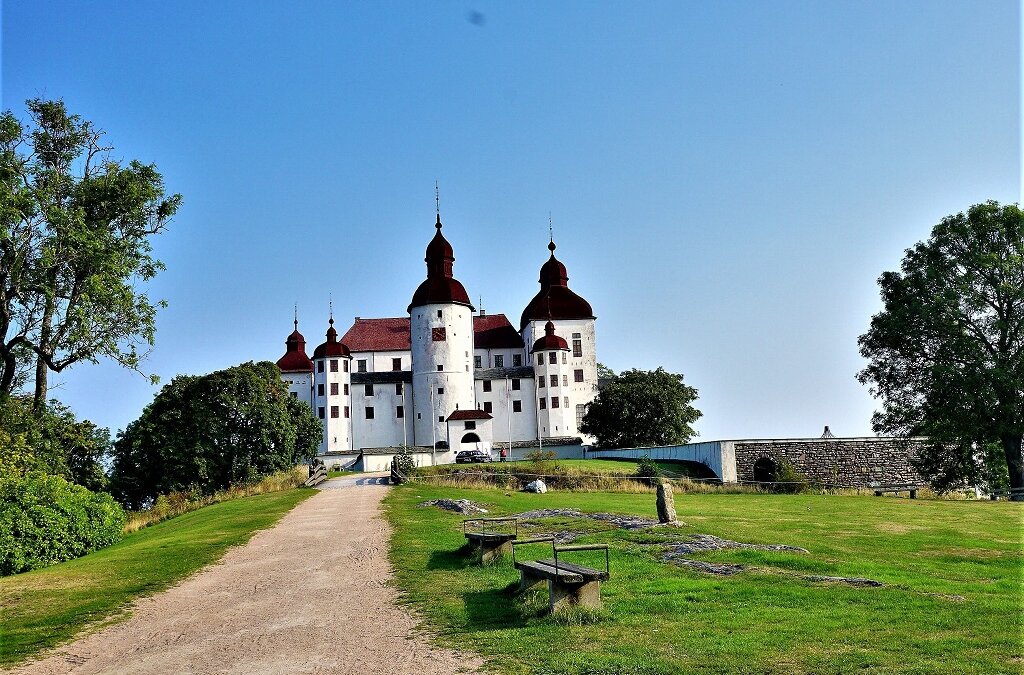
(502, 608)
(461, 558)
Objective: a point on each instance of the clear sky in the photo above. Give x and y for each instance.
(726, 180)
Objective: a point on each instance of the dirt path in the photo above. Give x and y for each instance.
(309, 595)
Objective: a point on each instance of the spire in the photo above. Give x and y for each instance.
(296, 322)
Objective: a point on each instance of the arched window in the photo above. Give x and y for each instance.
(470, 438)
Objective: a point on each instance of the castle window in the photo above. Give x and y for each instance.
(578, 374)
(367, 390)
(345, 364)
(499, 361)
(320, 412)
(440, 367)
(565, 401)
(369, 412)
(487, 406)
(440, 390)
(470, 424)
(540, 358)
(577, 348)
(334, 412)
(438, 314)
(345, 389)
(565, 380)
(554, 401)
(396, 364)
(334, 365)
(319, 366)
(319, 390)
(517, 406)
(399, 388)
(346, 412)
(517, 360)
(440, 418)
(487, 385)
(581, 410)
(543, 403)
(552, 358)
(439, 334)
(334, 388)
(361, 365)
(576, 336)
(400, 412)
(515, 384)
(540, 381)
(565, 357)
(478, 362)
(554, 380)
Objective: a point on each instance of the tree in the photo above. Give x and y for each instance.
(604, 372)
(75, 229)
(946, 354)
(642, 409)
(211, 431)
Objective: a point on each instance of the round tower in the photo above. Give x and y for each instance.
(331, 398)
(441, 332)
(296, 368)
(555, 410)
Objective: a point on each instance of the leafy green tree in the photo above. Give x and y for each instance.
(642, 409)
(946, 354)
(211, 431)
(75, 229)
(604, 372)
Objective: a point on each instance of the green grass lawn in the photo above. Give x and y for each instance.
(952, 601)
(45, 607)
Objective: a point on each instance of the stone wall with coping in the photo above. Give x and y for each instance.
(853, 462)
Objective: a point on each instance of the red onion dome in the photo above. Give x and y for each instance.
(332, 347)
(549, 341)
(295, 359)
(555, 300)
(440, 287)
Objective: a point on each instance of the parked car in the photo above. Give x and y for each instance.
(472, 456)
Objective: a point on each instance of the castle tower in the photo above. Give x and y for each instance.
(331, 396)
(296, 368)
(555, 411)
(576, 322)
(441, 335)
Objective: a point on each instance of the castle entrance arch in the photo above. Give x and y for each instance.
(765, 470)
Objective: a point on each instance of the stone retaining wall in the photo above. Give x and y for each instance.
(854, 462)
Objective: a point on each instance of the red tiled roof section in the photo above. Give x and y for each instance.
(468, 415)
(550, 340)
(495, 332)
(378, 335)
(555, 300)
(295, 359)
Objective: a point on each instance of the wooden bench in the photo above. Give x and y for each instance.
(568, 584)
(896, 489)
(317, 475)
(494, 543)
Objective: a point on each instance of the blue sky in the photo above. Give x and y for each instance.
(726, 180)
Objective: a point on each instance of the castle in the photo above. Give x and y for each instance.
(450, 378)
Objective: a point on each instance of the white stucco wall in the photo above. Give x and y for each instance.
(337, 430)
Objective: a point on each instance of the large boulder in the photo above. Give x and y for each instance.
(666, 503)
(537, 486)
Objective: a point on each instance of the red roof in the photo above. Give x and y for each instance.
(440, 287)
(295, 359)
(550, 340)
(555, 300)
(332, 347)
(386, 335)
(468, 415)
(379, 335)
(495, 332)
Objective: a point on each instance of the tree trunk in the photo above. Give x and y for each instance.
(45, 335)
(7, 376)
(42, 372)
(1015, 463)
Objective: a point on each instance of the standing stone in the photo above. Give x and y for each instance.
(666, 504)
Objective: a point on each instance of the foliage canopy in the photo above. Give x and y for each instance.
(946, 354)
(211, 431)
(75, 229)
(641, 409)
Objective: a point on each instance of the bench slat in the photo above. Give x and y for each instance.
(543, 569)
(588, 573)
(490, 536)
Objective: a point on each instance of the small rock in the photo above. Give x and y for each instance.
(666, 504)
(537, 486)
(463, 506)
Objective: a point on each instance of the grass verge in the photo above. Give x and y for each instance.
(951, 600)
(46, 607)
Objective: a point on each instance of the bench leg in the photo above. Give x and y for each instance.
(586, 594)
(491, 553)
(529, 581)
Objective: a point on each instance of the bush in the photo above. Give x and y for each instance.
(404, 461)
(647, 468)
(788, 479)
(541, 460)
(45, 520)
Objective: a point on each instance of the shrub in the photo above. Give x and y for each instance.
(647, 468)
(45, 520)
(788, 479)
(541, 460)
(404, 461)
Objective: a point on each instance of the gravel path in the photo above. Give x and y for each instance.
(309, 595)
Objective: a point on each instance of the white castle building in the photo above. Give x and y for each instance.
(448, 378)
